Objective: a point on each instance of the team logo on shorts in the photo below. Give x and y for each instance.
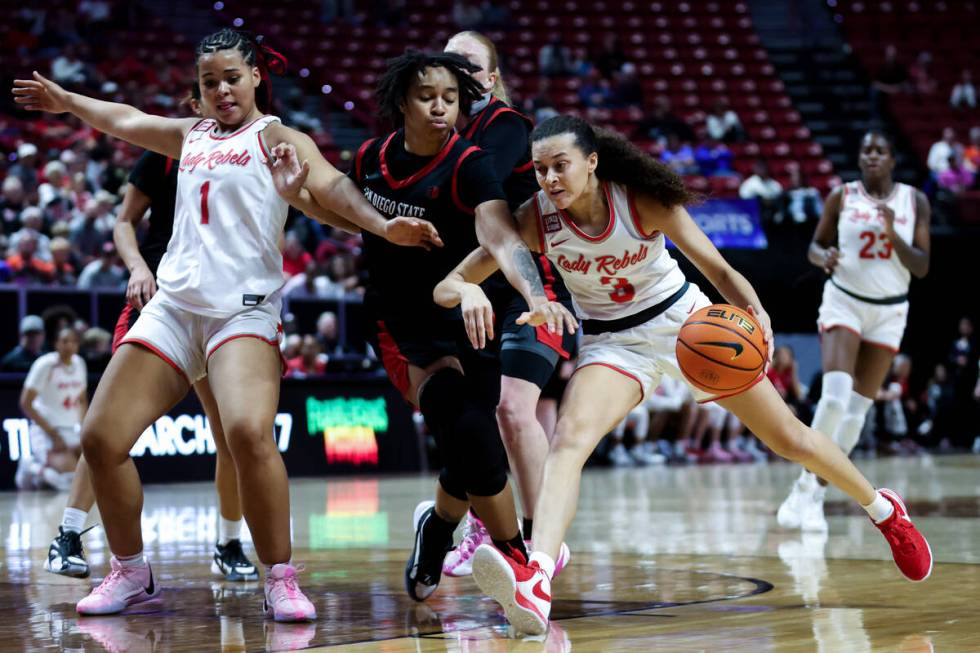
(551, 223)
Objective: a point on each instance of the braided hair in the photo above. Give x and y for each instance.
(254, 53)
(404, 70)
(620, 161)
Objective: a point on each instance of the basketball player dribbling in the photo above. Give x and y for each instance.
(215, 312)
(426, 166)
(528, 355)
(872, 238)
(601, 197)
(153, 186)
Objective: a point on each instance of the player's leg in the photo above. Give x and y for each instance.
(244, 373)
(764, 413)
(137, 387)
(66, 555)
(523, 436)
(229, 559)
(596, 399)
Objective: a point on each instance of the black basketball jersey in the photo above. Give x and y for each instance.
(156, 176)
(516, 171)
(443, 189)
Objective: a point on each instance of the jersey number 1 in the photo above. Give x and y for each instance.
(205, 189)
(623, 291)
(869, 238)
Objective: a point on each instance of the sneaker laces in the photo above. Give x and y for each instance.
(474, 537)
(287, 585)
(72, 540)
(899, 534)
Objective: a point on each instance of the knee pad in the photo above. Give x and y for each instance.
(452, 484)
(484, 457)
(441, 401)
(849, 431)
(837, 389)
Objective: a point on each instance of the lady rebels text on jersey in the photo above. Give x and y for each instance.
(224, 254)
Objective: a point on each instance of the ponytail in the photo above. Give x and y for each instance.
(620, 161)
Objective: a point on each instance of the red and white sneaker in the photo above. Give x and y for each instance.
(284, 600)
(564, 555)
(522, 590)
(123, 587)
(459, 561)
(909, 548)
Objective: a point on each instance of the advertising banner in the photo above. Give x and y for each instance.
(731, 223)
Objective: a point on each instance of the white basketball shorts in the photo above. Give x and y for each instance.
(876, 324)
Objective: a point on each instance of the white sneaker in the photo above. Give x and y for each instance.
(620, 457)
(57, 480)
(811, 517)
(645, 453)
(459, 561)
(790, 513)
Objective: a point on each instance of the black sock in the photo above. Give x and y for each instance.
(516, 542)
(438, 529)
(528, 523)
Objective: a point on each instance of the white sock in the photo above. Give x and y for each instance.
(880, 509)
(73, 520)
(544, 561)
(132, 561)
(849, 430)
(228, 530)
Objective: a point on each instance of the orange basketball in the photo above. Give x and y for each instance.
(720, 349)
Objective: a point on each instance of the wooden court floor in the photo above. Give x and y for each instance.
(671, 559)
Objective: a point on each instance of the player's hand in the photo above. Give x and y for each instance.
(553, 314)
(40, 94)
(831, 257)
(412, 232)
(57, 442)
(888, 219)
(477, 315)
(762, 318)
(288, 175)
(141, 287)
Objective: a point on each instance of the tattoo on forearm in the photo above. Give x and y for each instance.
(524, 263)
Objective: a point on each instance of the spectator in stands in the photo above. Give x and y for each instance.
(921, 74)
(25, 168)
(86, 237)
(297, 115)
(971, 155)
(327, 334)
(941, 150)
(761, 186)
(12, 203)
(104, 272)
(295, 259)
(54, 187)
(723, 123)
(291, 345)
(679, 156)
(310, 362)
(802, 202)
(964, 92)
(596, 91)
(896, 406)
(61, 258)
(67, 69)
(26, 267)
(714, 159)
(609, 58)
(891, 78)
(555, 59)
(21, 357)
(962, 365)
(662, 122)
(785, 378)
(627, 89)
(955, 178)
(467, 15)
(96, 348)
(32, 222)
(496, 15)
(541, 106)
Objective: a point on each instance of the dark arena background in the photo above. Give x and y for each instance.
(760, 105)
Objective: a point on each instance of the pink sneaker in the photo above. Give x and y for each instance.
(283, 598)
(459, 561)
(120, 634)
(288, 637)
(522, 590)
(909, 548)
(716, 454)
(123, 587)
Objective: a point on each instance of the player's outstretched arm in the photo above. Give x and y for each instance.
(472, 271)
(333, 191)
(163, 135)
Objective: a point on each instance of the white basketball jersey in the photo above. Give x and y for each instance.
(869, 266)
(223, 256)
(58, 388)
(618, 273)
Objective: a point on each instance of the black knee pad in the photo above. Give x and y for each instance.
(453, 484)
(485, 456)
(442, 402)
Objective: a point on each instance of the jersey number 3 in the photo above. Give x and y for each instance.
(869, 238)
(623, 291)
(205, 189)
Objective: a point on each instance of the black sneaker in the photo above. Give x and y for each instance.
(65, 555)
(231, 562)
(424, 569)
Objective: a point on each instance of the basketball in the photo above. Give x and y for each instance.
(721, 350)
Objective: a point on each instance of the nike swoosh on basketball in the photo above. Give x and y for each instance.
(559, 242)
(735, 346)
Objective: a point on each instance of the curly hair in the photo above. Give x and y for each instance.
(254, 53)
(620, 161)
(406, 69)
